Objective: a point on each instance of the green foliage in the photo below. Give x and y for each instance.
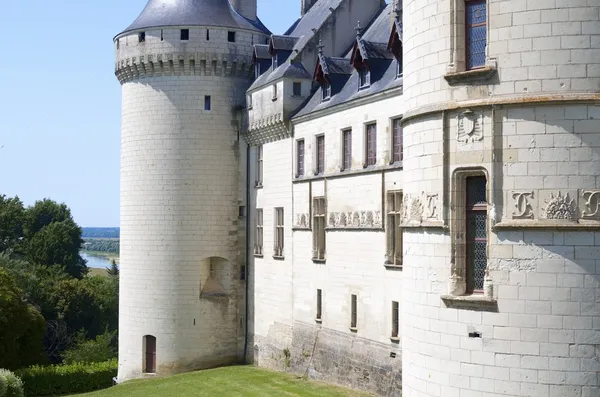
(10, 384)
(92, 351)
(113, 270)
(101, 232)
(68, 379)
(101, 245)
(22, 327)
(12, 216)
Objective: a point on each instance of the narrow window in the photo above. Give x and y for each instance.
(347, 149)
(326, 91)
(249, 101)
(243, 273)
(279, 236)
(319, 304)
(297, 89)
(371, 144)
(319, 214)
(395, 319)
(118, 44)
(364, 78)
(320, 154)
(207, 102)
(397, 141)
(162, 35)
(274, 91)
(476, 231)
(393, 231)
(476, 33)
(149, 354)
(142, 37)
(207, 34)
(231, 37)
(185, 34)
(353, 316)
(258, 243)
(300, 159)
(259, 166)
(274, 59)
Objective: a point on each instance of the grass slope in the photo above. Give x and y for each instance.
(242, 381)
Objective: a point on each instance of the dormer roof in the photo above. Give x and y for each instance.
(261, 51)
(167, 13)
(286, 43)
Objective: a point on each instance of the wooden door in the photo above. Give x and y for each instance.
(150, 354)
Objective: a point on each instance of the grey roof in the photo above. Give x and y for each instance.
(371, 50)
(335, 65)
(283, 42)
(313, 19)
(261, 51)
(159, 13)
(383, 70)
(287, 69)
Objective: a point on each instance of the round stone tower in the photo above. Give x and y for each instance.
(502, 232)
(184, 67)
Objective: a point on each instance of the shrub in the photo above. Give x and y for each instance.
(10, 384)
(68, 379)
(92, 351)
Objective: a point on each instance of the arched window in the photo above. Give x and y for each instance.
(149, 354)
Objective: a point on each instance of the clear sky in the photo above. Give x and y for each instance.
(60, 101)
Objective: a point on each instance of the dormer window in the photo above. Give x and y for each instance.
(364, 78)
(326, 88)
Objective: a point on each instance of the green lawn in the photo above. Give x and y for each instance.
(242, 381)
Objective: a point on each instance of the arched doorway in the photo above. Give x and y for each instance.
(149, 354)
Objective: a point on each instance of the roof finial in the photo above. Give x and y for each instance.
(358, 29)
(320, 47)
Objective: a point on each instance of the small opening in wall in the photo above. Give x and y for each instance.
(231, 37)
(474, 334)
(207, 102)
(243, 272)
(393, 355)
(118, 44)
(297, 88)
(242, 211)
(162, 35)
(142, 37)
(207, 34)
(185, 34)
(194, 321)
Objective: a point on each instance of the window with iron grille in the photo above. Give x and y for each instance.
(476, 233)
(347, 149)
(279, 234)
(371, 144)
(326, 90)
(354, 312)
(319, 215)
(397, 148)
(395, 319)
(364, 78)
(300, 158)
(319, 304)
(258, 238)
(393, 228)
(297, 88)
(259, 166)
(320, 155)
(476, 33)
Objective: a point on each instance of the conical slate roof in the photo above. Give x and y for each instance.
(159, 13)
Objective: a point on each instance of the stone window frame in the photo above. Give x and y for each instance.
(319, 316)
(275, 89)
(395, 334)
(319, 155)
(353, 312)
(249, 101)
(346, 150)
(319, 219)
(259, 167)
(393, 221)
(300, 158)
(456, 70)
(184, 35)
(392, 141)
(258, 233)
(367, 160)
(296, 89)
(279, 233)
(458, 278)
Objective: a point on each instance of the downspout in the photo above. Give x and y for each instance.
(247, 253)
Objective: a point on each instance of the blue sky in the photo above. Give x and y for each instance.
(60, 102)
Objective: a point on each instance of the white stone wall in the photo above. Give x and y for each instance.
(531, 128)
(180, 169)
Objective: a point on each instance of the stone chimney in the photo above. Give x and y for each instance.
(306, 5)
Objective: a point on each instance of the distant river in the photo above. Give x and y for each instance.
(99, 262)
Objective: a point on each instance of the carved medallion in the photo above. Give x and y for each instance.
(522, 205)
(432, 203)
(560, 207)
(302, 220)
(591, 203)
(470, 127)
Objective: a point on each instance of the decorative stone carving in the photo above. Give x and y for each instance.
(560, 207)
(591, 204)
(522, 205)
(470, 126)
(302, 221)
(416, 210)
(355, 220)
(432, 204)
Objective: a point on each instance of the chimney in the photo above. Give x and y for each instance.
(246, 8)
(306, 5)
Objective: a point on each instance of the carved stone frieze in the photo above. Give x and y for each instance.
(522, 205)
(355, 220)
(432, 206)
(560, 207)
(416, 210)
(470, 127)
(302, 221)
(590, 204)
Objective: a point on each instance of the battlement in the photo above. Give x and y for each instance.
(183, 64)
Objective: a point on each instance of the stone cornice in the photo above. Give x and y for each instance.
(504, 100)
(268, 129)
(183, 64)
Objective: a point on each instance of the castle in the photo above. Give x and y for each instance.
(408, 205)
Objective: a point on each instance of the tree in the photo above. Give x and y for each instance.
(12, 214)
(113, 270)
(22, 328)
